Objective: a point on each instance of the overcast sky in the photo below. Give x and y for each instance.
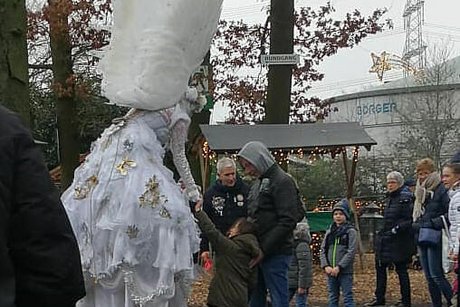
(348, 71)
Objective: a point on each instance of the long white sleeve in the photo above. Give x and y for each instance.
(177, 146)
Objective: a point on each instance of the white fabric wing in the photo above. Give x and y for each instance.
(152, 55)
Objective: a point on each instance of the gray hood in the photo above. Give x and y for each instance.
(302, 231)
(258, 155)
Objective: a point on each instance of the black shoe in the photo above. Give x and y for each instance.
(375, 302)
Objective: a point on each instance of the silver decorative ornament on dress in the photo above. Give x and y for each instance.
(128, 145)
(164, 213)
(138, 300)
(132, 231)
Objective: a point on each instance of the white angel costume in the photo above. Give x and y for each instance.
(132, 221)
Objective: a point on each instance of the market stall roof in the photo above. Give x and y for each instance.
(222, 138)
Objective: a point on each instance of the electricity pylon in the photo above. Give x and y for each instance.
(414, 47)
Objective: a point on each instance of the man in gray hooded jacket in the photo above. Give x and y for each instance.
(273, 208)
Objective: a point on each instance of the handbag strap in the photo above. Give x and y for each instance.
(446, 228)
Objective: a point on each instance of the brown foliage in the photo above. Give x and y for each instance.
(81, 15)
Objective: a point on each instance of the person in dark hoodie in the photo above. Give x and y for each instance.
(300, 270)
(225, 201)
(394, 244)
(233, 278)
(39, 256)
(273, 208)
(337, 255)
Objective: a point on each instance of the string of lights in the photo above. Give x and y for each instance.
(282, 155)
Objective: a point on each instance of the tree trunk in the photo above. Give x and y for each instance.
(63, 87)
(277, 108)
(14, 78)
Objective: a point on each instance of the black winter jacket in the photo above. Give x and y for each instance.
(394, 243)
(273, 206)
(224, 205)
(435, 206)
(39, 256)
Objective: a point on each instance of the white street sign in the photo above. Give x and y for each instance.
(280, 59)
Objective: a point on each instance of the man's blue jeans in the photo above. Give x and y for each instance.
(272, 277)
(344, 282)
(431, 261)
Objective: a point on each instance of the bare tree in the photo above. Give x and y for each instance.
(430, 120)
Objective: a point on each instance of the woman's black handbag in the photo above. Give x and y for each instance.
(429, 236)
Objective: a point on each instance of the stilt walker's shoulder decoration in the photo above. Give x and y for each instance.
(131, 219)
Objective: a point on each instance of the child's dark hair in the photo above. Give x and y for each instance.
(244, 226)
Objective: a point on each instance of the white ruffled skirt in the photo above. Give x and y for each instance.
(132, 221)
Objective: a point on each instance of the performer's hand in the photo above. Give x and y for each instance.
(204, 256)
(328, 270)
(256, 260)
(195, 206)
(199, 205)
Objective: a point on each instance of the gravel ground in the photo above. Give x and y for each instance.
(363, 286)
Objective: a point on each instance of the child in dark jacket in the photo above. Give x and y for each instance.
(233, 277)
(300, 269)
(338, 251)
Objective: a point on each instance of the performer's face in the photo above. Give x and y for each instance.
(228, 176)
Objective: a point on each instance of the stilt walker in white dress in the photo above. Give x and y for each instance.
(132, 221)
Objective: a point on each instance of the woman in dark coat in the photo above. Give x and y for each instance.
(431, 203)
(394, 243)
(233, 278)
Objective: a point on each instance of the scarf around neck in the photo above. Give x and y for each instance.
(421, 190)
